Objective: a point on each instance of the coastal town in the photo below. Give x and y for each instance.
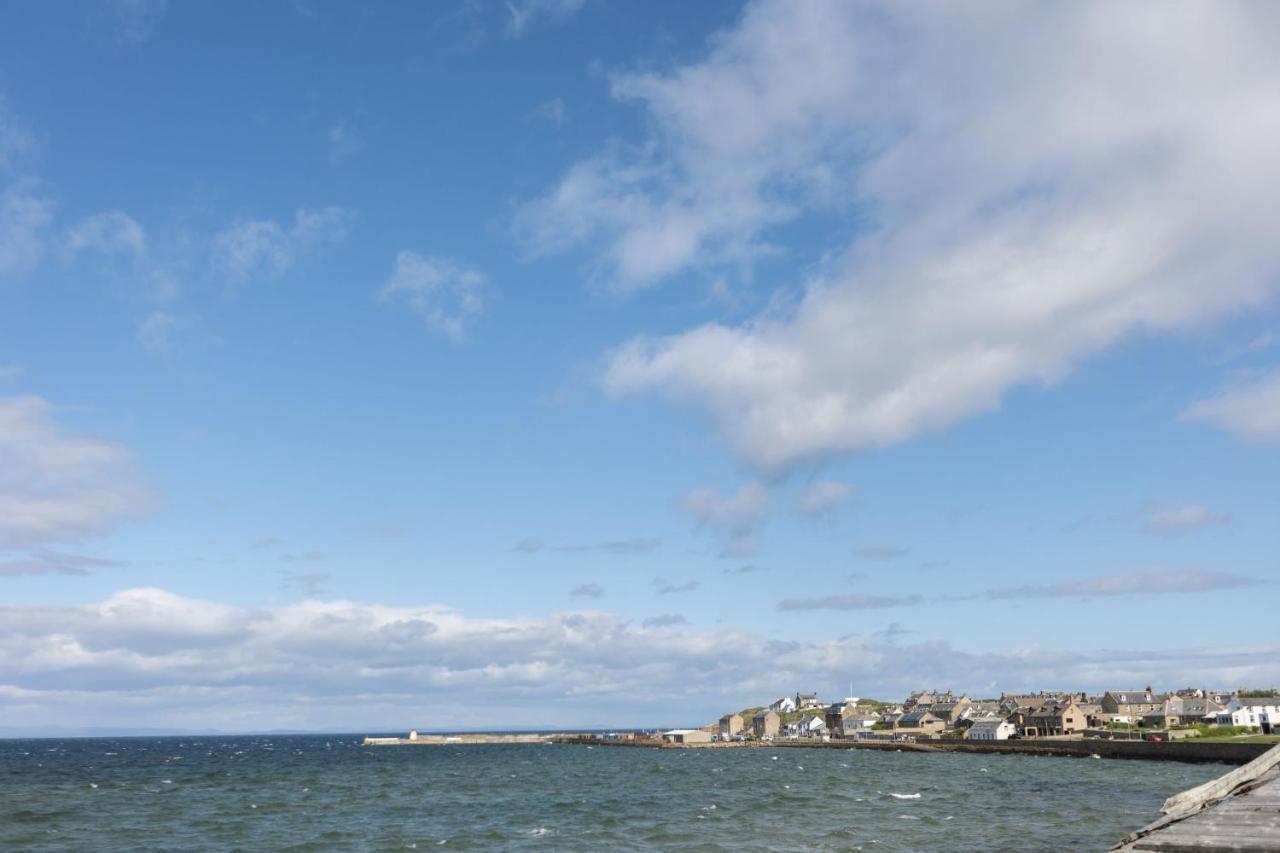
(942, 715)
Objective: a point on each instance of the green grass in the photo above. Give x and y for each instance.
(1235, 739)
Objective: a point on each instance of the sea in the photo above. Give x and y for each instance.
(328, 792)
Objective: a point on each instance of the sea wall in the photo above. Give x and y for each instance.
(1188, 751)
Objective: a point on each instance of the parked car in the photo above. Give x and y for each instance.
(1155, 738)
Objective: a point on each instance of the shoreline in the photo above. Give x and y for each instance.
(1183, 751)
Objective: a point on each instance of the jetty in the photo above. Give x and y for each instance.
(1237, 812)
(416, 739)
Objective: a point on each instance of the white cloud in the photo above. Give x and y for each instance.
(111, 233)
(344, 143)
(823, 497)
(552, 111)
(15, 140)
(24, 217)
(24, 213)
(55, 485)
(1039, 184)
(446, 295)
(265, 248)
(734, 518)
(524, 12)
(1179, 519)
(1251, 411)
(147, 656)
(155, 332)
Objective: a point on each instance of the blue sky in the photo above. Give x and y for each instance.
(618, 363)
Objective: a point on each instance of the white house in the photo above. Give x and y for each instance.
(785, 705)
(1256, 712)
(991, 728)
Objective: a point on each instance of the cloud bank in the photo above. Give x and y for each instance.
(147, 656)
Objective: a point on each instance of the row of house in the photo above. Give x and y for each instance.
(1044, 714)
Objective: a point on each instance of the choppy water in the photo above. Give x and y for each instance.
(330, 793)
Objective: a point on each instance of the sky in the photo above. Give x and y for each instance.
(563, 363)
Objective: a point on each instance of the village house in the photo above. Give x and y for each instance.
(950, 712)
(1129, 706)
(730, 725)
(920, 721)
(783, 705)
(687, 736)
(805, 701)
(1256, 712)
(766, 724)
(1182, 711)
(844, 720)
(991, 728)
(1053, 719)
(807, 727)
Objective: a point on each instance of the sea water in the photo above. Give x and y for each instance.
(327, 792)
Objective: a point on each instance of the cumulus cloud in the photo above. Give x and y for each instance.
(850, 602)
(1251, 411)
(587, 590)
(1032, 186)
(1179, 519)
(55, 485)
(1154, 582)
(665, 620)
(110, 233)
(147, 656)
(733, 518)
(446, 295)
(822, 498)
(263, 248)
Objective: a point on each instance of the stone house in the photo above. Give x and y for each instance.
(1127, 706)
(730, 725)
(805, 701)
(950, 712)
(766, 724)
(920, 721)
(1054, 718)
